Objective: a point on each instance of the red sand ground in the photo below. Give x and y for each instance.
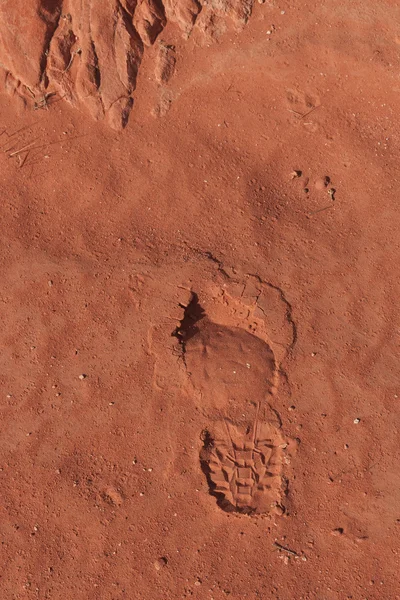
(233, 249)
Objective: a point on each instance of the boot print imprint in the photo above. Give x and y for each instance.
(243, 469)
(234, 374)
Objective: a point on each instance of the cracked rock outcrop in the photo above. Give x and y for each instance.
(90, 52)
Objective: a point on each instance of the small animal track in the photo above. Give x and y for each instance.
(301, 104)
(321, 185)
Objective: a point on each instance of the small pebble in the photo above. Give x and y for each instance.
(160, 563)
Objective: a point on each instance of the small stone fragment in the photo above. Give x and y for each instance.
(112, 496)
(160, 563)
(166, 61)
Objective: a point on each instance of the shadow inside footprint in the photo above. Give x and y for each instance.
(188, 327)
